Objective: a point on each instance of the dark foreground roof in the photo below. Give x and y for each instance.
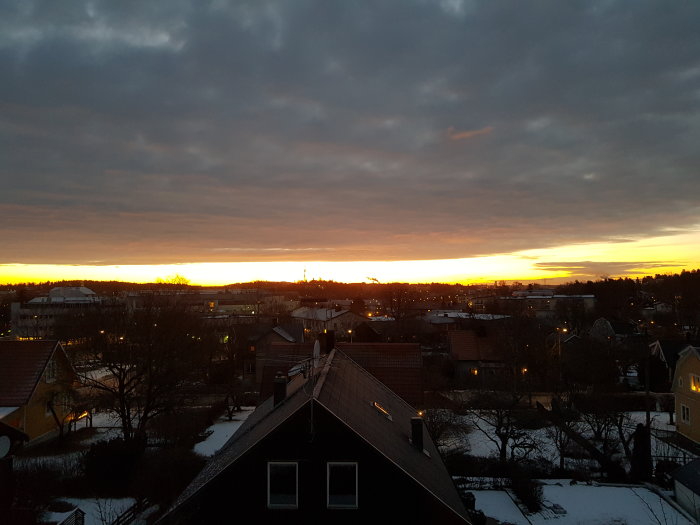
(689, 475)
(21, 365)
(348, 392)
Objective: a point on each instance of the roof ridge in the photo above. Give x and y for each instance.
(323, 374)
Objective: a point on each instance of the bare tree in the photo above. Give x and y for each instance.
(495, 416)
(560, 435)
(147, 359)
(448, 429)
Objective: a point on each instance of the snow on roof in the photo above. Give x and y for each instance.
(317, 314)
(283, 333)
(6, 411)
(454, 314)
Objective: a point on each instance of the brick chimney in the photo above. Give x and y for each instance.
(327, 340)
(417, 432)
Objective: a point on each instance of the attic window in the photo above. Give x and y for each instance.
(382, 411)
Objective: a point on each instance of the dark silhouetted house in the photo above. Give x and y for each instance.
(36, 381)
(607, 331)
(334, 445)
(479, 358)
(261, 345)
(397, 365)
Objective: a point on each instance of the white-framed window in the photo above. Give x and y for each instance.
(695, 383)
(282, 484)
(50, 371)
(685, 414)
(341, 487)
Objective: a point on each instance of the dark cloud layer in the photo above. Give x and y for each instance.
(181, 131)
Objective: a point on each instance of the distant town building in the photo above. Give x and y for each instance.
(37, 318)
(318, 320)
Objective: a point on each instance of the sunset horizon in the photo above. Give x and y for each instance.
(550, 266)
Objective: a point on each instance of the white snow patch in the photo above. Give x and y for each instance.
(498, 504)
(97, 511)
(221, 432)
(583, 504)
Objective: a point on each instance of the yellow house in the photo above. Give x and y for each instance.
(686, 387)
(36, 381)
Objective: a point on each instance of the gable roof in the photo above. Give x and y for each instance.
(21, 365)
(685, 354)
(348, 392)
(669, 350)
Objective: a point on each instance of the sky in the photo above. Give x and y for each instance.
(415, 140)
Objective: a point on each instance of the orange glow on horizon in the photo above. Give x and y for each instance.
(666, 254)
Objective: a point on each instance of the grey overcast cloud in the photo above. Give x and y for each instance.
(176, 131)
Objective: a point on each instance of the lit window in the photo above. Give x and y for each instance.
(685, 414)
(282, 484)
(694, 383)
(342, 485)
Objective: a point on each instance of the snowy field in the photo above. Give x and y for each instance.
(578, 504)
(221, 432)
(566, 504)
(480, 445)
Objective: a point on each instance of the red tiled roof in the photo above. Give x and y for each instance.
(468, 345)
(397, 365)
(21, 365)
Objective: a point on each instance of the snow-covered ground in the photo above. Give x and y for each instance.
(480, 445)
(221, 431)
(578, 504)
(566, 504)
(107, 426)
(97, 511)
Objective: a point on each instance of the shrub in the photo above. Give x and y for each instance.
(109, 465)
(182, 428)
(528, 491)
(163, 474)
